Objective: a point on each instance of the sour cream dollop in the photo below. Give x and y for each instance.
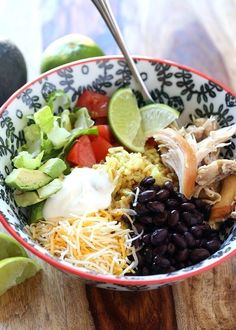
(83, 191)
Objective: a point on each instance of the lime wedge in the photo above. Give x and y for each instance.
(16, 270)
(156, 116)
(125, 119)
(9, 247)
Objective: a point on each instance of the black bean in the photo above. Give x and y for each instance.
(156, 206)
(181, 228)
(206, 229)
(191, 242)
(147, 181)
(156, 264)
(141, 260)
(199, 254)
(180, 265)
(145, 219)
(146, 195)
(139, 227)
(159, 250)
(182, 255)
(198, 216)
(160, 219)
(198, 242)
(180, 197)
(172, 261)
(164, 262)
(214, 234)
(187, 218)
(179, 241)
(173, 218)
(145, 271)
(200, 204)
(140, 209)
(169, 185)
(162, 194)
(172, 203)
(138, 243)
(147, 255)
(213, 245)
(193, 220)
(159, 236)
(207, 210)
(187, 206)
(171, 249)
(196, 231)
(203, 242)
(146, 238)
(171, 269)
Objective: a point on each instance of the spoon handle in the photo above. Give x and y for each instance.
(105, 10)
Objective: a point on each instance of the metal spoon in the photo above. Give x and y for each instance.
(105, 10)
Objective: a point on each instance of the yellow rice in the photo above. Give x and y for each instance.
(128, 169)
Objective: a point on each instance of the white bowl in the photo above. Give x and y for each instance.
(185, 89)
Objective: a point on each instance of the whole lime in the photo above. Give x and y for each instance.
(13, 72)
(69, 48)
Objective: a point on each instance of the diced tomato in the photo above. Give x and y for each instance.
(100, 148)
(81, 153)
(105, 132)
(96, 103)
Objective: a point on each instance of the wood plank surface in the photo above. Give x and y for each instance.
(200, 34)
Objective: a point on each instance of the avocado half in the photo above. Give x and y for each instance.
(13, 71)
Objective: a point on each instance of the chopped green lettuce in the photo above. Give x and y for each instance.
(65, 120)
(26, 160)
(60, 97)
(83, 119)
(44, 119)
(58, 136)
(32, 138)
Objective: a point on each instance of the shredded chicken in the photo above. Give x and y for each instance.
(202, 127)
(178, 154)
(216, 139)
(222, 210)
(209, 194)
(215, 171)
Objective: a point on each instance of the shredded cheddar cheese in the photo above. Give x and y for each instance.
(99, 242)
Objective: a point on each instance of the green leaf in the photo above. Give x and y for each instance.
(26, 160)
(83, 119)
(65, 120)
(32, 137)
(61, 97)
(44, 119)
(58, 136)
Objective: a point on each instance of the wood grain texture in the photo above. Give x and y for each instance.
(200, 34)
(208, 301)
(49, 301)
(112, 310)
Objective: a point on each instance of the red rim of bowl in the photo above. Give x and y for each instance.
(110, 278)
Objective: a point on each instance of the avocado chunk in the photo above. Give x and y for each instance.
(13, 71)
(50, 189)
(27, 180)
(27, 198)
(54, 167)
(36, 212)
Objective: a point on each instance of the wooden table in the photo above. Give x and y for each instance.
(196, 33)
